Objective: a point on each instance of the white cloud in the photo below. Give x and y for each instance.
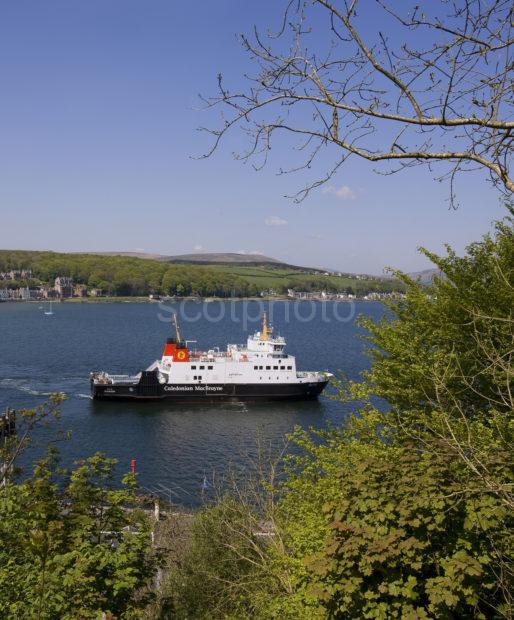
(250, 252)
(274, 220)
(198, 248)
(344, 192)
(317, 237)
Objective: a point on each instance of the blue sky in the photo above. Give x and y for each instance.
(98, 133)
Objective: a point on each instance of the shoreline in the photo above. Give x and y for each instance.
(145, 300)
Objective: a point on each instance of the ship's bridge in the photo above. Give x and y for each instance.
(264, 341)
(270, 345)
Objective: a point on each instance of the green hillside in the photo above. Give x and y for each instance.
(130, 276)
(280, 279)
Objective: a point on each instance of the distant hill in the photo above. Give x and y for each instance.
(225, 258)
(239, 259)
(213, 258)
(146, 255)
(426, 276)
(221, 258)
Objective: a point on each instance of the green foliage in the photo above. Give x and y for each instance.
(445, 363)
(12, 446)
(410, 512)
(448, 341)
(70, 548)
(199, 589)
(19, 283)
(385, 531)
(280, 280)
(233, 564)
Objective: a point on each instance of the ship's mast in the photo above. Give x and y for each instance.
(177, 330)
(265, 329)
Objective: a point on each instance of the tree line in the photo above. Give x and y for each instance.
(129, 276)
(119, 275)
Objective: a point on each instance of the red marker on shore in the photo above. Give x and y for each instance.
(133, 467)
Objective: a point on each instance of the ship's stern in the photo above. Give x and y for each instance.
(145, 386)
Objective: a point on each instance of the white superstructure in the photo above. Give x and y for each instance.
(262, 360)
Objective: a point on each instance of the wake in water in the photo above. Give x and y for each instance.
(22, 385)
(35, 389)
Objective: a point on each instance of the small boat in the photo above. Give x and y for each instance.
(49, 312)
(257, 370)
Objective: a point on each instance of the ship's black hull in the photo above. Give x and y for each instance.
(180, 393)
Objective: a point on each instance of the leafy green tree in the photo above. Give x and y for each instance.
(445, 362)
(70, 546)
(73, 545)
(383, 530)
(443, 335)
(409, 511)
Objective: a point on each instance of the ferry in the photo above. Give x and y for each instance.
(259, 370)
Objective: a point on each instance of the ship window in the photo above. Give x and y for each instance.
(194, 378)
(289, 368)
(261, 367)
(193, 367)
(275, 367)
(256, 368)
(201, 367)
(209, 367)
(268, 367)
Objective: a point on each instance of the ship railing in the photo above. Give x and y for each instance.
(237, 347)
(123, 379)
(271, 339)
(305, 374)
(204, 357)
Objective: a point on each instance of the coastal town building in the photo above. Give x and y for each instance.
(16, 274)
(380, 296)
(325, 296)
(48, 293)
(63, 289)
(24, 293)
(64, 286)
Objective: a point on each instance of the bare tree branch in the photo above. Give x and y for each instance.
(439, 79)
